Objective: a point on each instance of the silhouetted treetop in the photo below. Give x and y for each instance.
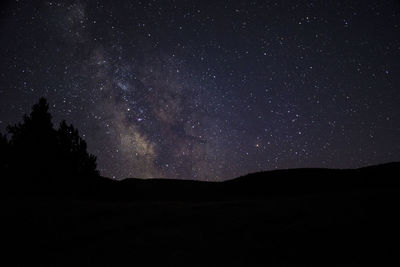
(40, 114)
(35, 130)
(37, 149)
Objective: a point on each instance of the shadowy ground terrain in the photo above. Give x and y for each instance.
(304, 217)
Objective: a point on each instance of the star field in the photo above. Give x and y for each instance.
(210, 90)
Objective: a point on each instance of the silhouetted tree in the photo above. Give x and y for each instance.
(37, 150)
(72, 150)
(33, 142)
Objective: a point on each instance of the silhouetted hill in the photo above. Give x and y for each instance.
(303, 217)
(256, 185)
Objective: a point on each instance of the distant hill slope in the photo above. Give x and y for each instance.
(257, 185)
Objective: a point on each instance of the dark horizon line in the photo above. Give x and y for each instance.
(254, 173)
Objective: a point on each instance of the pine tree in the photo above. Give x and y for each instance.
(73, 151)
(36, 150)
(33, 142)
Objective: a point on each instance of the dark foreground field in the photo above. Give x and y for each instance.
(286, 218)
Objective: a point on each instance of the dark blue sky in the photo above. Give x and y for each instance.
(210, 89)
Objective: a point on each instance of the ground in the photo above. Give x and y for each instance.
(356, 227)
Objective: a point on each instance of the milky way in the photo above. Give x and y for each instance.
(210, 91)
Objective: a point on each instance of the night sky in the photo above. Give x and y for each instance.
(210, 90)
